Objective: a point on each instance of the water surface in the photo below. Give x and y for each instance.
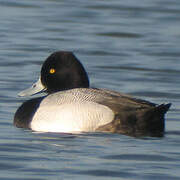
(128, 46)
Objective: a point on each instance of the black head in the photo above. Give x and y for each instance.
(62, 71)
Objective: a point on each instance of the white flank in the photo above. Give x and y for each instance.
(83, 116)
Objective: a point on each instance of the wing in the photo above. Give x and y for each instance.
(116, 100)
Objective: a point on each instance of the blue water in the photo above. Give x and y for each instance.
(129, 46)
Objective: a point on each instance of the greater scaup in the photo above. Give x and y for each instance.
(71, 106)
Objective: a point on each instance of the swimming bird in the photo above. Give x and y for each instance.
(72, 106)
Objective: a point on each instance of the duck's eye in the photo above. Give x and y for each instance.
(52, 71)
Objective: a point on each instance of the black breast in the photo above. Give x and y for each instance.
(26, 111)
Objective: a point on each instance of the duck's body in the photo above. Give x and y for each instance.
(84, 109)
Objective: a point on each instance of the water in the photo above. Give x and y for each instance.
(128, 46)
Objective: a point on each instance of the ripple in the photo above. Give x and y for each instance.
(8, 166)
(18, 4)
(108, 173)
(140, 68)
(120, 35)
(139, 157)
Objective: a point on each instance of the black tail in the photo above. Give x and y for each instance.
(138, 123)
(163, 108)
(147, 122)
(154, 121)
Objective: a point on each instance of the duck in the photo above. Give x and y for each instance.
(70, 105)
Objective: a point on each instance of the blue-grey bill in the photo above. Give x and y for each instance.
(34, 89)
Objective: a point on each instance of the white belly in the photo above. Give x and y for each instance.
(71, 117)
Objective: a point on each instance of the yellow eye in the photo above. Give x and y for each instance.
(52, 71)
